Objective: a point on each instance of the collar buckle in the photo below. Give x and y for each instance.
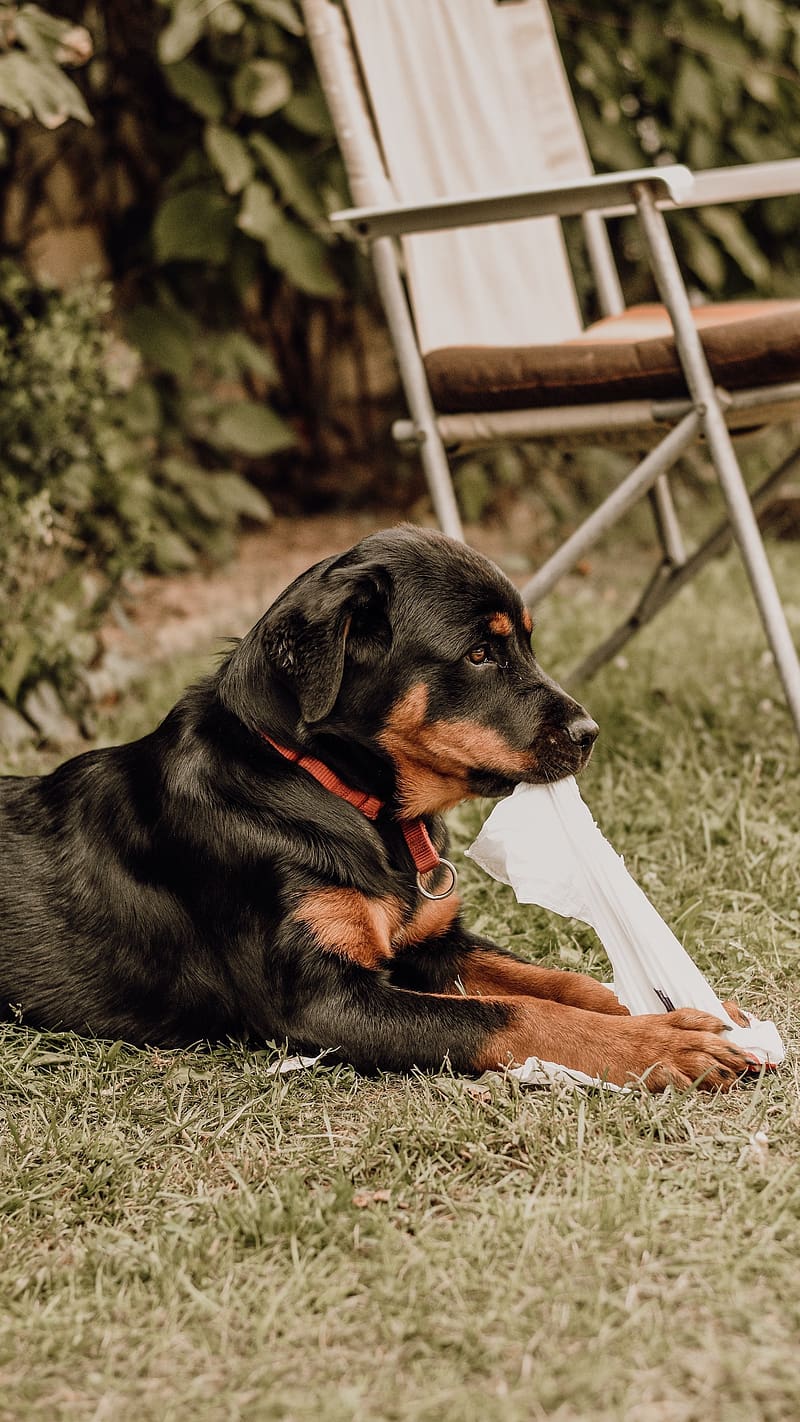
(445, 894)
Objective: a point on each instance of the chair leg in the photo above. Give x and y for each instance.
(624, 496)
(666, 517)
(668, 581)
(415, 385)
(704, 394)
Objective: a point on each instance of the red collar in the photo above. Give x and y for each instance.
(420, 846)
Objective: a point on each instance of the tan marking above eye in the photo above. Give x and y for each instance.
(527, 621)
(433, 759)
(500, 624)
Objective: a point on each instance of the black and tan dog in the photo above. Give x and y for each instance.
(266, 863)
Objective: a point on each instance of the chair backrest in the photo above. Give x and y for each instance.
(436, 98)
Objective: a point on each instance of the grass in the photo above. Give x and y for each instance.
(185, 1236)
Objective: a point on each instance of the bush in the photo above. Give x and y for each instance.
(704, 82)
(238, 244)
(86, 493)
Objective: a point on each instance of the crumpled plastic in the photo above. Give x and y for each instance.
(543, 841)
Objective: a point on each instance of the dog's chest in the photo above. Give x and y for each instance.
(369, 931)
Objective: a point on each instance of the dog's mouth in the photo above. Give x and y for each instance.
(556, 756)
(547, 761)
(439, 762)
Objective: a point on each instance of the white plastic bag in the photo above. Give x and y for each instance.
(543, 841)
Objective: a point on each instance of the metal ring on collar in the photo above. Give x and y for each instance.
(450, 887)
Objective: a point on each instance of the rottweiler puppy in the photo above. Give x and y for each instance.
(267, 863)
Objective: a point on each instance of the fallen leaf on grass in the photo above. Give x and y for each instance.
(371, 1197)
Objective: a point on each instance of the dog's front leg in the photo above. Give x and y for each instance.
(336, 993)
(358, 1014)
(488, 971)
(460, 962)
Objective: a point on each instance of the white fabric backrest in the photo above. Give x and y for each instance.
(470, 96)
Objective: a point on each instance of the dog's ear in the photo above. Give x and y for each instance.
(329, 614)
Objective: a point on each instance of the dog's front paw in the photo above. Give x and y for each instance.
(682, 1049)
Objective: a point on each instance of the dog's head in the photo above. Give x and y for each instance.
(416, 650)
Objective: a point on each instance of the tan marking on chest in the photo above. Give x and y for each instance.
(431, 919)
(346, 922)
(433, 759)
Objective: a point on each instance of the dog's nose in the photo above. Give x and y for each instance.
(583, 731)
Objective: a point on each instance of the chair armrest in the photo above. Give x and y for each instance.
(741, 183)
(672, 183)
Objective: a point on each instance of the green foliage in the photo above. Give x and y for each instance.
(86, 490)
(229, 252)
(704, 82)
(240, 215)
(35, 47)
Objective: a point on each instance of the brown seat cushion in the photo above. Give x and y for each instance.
(626, 357)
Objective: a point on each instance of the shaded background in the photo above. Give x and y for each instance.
(186, 348)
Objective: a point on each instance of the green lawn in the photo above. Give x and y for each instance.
(185, 1236)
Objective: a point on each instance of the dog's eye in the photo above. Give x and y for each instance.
(480, 654)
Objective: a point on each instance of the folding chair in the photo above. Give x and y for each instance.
(460, 137)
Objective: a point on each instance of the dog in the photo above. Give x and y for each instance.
(268, 864)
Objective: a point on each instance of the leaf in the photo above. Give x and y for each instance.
(291, 184)
(363, 1198)
(171, 553)
(16, 663)
(141, 409)
(701, 148)
(728, 50)
(50, 38)
(242, 498)
(251, 429)
(228, 153)
(261, 86)
(182, 32)
(647, 39)
(179, 471)
(282, 12)
(196, 487)
(190, 82)
(75, 46)
(75, 487)
(37, 88)
(225, 18)
(728, 227)
(165, 341)
(303, 258)
(766, 23)
(258, 214)
(234, 352)
(696, 94)
(309, 113)
(14, 93)
(761, 87)
(193, 226)
(704, 257)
